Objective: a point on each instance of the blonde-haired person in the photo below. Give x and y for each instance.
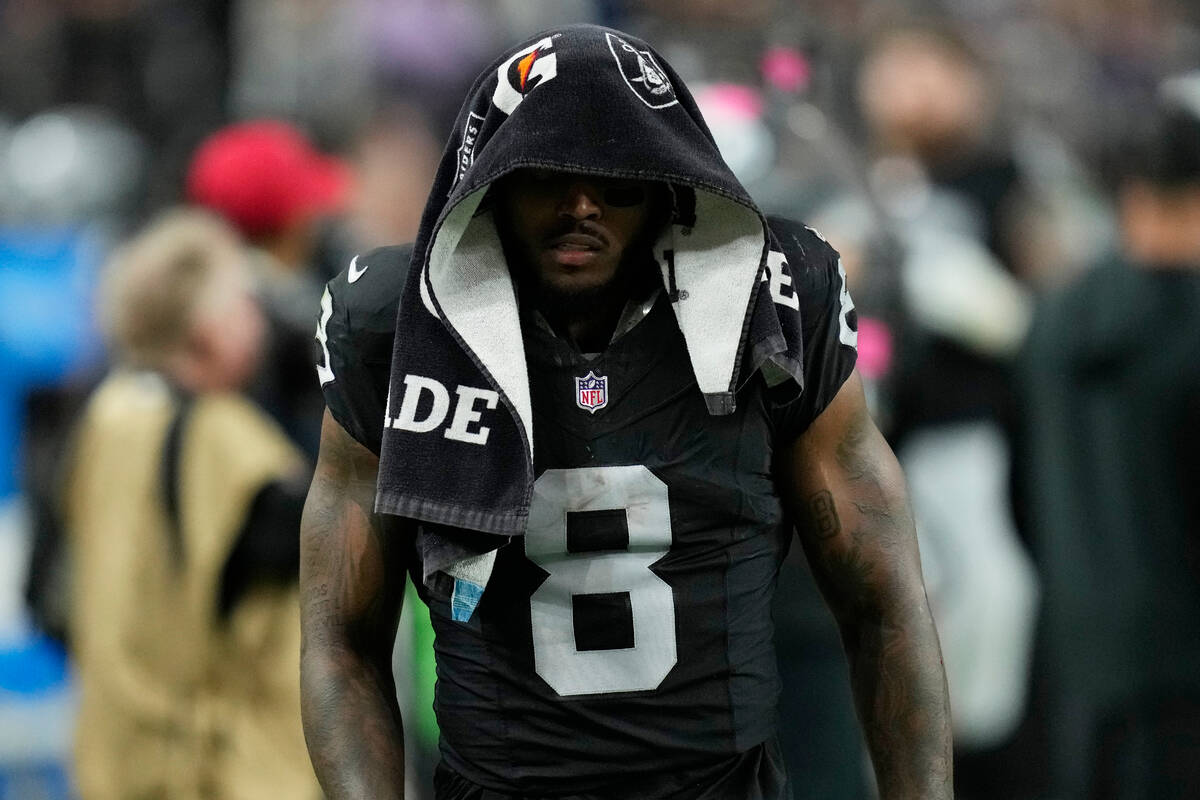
(182, 505)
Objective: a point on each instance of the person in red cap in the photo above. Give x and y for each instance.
(266, 179)
(269, 182)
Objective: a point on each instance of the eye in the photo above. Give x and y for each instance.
(624, 195)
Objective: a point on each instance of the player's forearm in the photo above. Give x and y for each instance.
(351, 584)
(849, 497)
(351, 723)
(900, 689)
(896, 668)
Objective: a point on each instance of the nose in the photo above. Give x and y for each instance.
(581, 200)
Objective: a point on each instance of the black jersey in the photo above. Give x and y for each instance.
(354, 340)
(627, 635)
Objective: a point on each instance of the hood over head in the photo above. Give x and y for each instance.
(580, 99)
(587, 99)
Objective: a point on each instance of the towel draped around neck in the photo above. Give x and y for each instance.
(458, 440)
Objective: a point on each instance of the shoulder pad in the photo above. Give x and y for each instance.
(803, 247)
(805, 274)
(355, 334)
(367, 292)
(802, 267)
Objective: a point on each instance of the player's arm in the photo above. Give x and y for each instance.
(351, 586)
(846, 492)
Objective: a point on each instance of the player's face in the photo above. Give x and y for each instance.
(573, 231)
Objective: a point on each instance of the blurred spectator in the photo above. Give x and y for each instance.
(928, 99)
(947, 185)
(941, 173)
(268, 181)
(828, 749)
(1112, 394)
(920, 273)
(182, 508)
(981, 583)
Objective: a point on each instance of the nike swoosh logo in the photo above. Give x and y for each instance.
(355, 274)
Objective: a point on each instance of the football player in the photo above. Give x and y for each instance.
(603, 629)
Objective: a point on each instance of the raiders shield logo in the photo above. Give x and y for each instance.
(591, 392)
(642, 74)
(465, 156)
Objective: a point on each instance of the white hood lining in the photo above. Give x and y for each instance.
(716, 267)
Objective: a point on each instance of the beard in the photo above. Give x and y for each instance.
(562, 298)
(634, 279)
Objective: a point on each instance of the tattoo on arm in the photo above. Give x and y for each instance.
(859, 536)
(824, 515)
(351, 579)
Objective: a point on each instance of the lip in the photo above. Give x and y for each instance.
(576, 242)
(575, 250)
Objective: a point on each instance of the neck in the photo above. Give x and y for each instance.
(590, 329)
(589, 320)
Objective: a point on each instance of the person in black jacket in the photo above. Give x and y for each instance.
(1112, 392)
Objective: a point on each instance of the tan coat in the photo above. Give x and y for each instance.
(175, 703)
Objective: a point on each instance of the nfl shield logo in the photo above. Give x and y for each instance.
(591, 392)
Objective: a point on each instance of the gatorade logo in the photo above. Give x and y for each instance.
(523, 72)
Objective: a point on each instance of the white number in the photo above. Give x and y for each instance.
(643, 497)
(779, 278)
(325, 371)
(847, 336)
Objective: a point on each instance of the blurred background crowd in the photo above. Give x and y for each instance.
(1014, 186)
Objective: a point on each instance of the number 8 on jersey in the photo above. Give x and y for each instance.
(597, 531)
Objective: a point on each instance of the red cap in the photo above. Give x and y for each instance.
(264, 175)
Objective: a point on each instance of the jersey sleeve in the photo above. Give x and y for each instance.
(355, 333)
(828, 320)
